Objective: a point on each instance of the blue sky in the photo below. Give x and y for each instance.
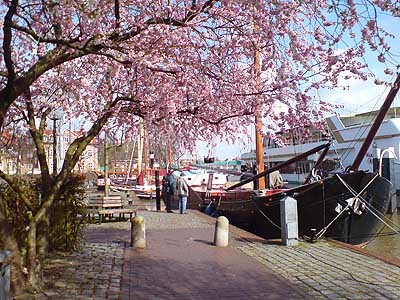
(362, 96)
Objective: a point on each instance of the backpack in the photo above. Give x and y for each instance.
(165, 181)
(165, 184)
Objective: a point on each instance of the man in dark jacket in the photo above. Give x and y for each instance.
(170, 189)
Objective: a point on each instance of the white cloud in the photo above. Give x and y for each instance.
(361, 96)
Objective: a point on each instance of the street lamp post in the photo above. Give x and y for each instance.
(54, 118)
(151, 156)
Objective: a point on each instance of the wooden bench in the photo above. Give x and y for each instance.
(108, 206)
(120, 211)
(101, 202)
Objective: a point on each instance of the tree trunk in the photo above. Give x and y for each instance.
(42, 244)
(42, 236)
(9, 242)
(31, 255)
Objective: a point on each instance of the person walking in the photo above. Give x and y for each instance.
(183, 190)
(170, 189)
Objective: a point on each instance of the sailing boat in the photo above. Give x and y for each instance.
(141, 185)
(347, 207)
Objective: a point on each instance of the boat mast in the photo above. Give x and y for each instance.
(106, 183)
(145, 157)
(258, 126)
(375, 126)
(169, 156)
(140, 148)
(128, 173)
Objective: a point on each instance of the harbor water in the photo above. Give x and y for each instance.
(387, 242)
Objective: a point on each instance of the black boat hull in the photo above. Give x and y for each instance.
(318, 204)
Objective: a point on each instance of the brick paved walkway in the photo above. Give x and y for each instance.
(180, 263)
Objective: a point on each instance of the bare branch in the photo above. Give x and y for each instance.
(7, 41)
(37, 136)
(16, 188)
(117, 14)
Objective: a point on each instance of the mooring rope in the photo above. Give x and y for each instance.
(265, 216)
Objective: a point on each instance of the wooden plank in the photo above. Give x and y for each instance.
(112, 201)
(105, 202)
(112, 198)
(112, 205)
(120, 210)
(95, 203)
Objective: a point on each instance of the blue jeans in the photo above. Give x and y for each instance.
(182, 204)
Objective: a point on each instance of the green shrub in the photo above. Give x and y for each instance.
(66, 214)
(15, 209)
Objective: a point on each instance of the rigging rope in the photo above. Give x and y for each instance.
(369, 207)
(336, 152)
(361, 131)
(323, 230)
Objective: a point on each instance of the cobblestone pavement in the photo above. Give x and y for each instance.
(94, 272)
(180, 263)
(158, 220)
(329, 272)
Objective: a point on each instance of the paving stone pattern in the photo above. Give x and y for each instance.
(180, 251)
(158, 220)
(325, 271)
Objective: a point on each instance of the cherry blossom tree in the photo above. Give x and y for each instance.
(191, 69)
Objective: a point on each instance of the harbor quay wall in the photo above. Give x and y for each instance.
(181, 262)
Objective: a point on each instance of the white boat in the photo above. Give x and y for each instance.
(198, 181)
(347, 134)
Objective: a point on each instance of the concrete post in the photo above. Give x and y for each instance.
(4, 276)
(221, 234)
(138, 233)
(289, 232)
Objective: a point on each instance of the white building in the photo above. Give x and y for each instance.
(88, 161)
(348, 134)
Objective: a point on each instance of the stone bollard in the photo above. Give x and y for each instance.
(221, 235)
(289, 222)
(4, 276)
(138, 233)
